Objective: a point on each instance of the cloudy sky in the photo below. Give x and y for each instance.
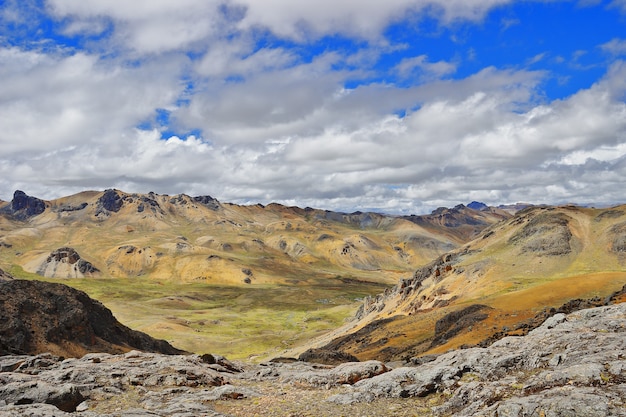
(399, 106)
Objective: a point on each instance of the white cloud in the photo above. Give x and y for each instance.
(278, 125)
(620, 4)
(157, 26)
(50, 102)
(145, 26)
(615, 46)
(428, 70)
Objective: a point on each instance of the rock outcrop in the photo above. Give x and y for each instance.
(40, 317)
(23, 206)
(572, 365)
(208, 201)
(547, 234)
(66, 263)
(5, 276)
(110, 201)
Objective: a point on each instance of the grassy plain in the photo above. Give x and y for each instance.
(240, 322)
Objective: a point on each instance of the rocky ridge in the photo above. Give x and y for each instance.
(23, 206)
(39, 316)
(539, 259)
(96, 224)
(573, 364)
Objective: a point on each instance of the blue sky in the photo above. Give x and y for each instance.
(399, 106)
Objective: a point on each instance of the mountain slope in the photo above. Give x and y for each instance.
(200, 239)
(541, 258)
(38, 317)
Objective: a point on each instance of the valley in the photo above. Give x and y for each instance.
(151, 305)
(257, 282)
(247, 282)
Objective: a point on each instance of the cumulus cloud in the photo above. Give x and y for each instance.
(53, 101)
(236, 100)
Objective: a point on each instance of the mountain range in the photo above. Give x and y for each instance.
(178, 266)
(467, 311)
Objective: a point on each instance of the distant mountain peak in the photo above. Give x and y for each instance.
(477, 205)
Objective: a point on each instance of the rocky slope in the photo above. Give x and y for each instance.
(572, 364)
(539, 259)
(48, 317)
(4, 276)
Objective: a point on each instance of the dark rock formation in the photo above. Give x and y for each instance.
(5, 276)
(477, 205)
(326, 356)
(148, 202)
(208, 201)
(23, 206)
(110, 201)
(39, 316)
(70, 208)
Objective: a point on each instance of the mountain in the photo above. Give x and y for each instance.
(498, 284)
(116, 234)
(37, 317)
(460, 223)
(477, 205)
(212, 276)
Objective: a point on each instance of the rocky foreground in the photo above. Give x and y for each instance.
(572, 365)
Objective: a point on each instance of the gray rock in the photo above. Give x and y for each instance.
(571, 365)
(346, 373)
(65, 397)
(32, 410)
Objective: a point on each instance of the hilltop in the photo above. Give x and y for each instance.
(39, 317)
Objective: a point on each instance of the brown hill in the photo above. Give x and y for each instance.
(37, 317)
(494, 285)
(200, 239)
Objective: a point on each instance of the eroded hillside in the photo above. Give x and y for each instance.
(493, 286)
(115, 234)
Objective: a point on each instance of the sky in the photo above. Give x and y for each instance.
(395, 106)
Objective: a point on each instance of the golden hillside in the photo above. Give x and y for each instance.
(212, 276)
(494, 285)
(199, 239)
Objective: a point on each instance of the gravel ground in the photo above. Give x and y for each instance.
(295, 400)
